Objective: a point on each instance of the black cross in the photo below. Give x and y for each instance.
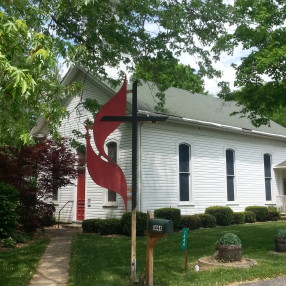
(134, 118)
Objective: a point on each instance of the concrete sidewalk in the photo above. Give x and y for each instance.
(54, 264)
(270, 282)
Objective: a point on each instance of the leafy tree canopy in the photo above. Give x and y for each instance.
(261, 76)
(35, 34)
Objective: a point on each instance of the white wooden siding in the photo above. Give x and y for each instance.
(160, 177)
(158, 165)
(94, 193)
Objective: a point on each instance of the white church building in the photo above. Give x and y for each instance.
(200, 157)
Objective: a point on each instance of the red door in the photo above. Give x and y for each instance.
(80, 196)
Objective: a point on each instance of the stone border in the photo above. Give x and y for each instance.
(208, 261)
(276, 252)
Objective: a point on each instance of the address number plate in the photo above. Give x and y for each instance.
(157, 227)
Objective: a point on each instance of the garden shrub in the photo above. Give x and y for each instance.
(9, 198)
(223, 215)
(8, 242)
(140, 223)
(172, 214)
(102, 226)
(238, 218)
(273, 214)
(207, 220)
(250, 217)
(261, 213)
(191, 221)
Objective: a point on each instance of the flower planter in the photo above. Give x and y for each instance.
(229, 253)
(280, 244)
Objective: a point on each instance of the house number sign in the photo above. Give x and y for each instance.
(157, 227)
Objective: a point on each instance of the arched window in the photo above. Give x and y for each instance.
(267, 176)
(112, 153)
(184, 172)
(230, 174)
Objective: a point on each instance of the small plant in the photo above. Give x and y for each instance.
(8, 242)
(281, 233)
(229, 239)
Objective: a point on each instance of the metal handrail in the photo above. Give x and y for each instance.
(60, 212)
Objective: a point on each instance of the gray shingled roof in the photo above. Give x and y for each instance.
(183, 104)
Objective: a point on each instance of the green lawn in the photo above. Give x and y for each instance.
(97, 260)
(18, 265)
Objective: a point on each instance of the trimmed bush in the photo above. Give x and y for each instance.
(223, 215)
(140, 223)
(170, 214)
(273, 214)
(9, 200)
(102, 226)
(261, 213)
(239, 218)
(191, 221)
(207, 220)
(250, 217)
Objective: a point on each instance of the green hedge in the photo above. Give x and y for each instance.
(9, 202)
(250, 217)
(261, 213)
(170, 214)
(239, 218)
(273, 214)
(207, 220)
(140, 223)
(102, 226)
(223, 215)
(191, 221)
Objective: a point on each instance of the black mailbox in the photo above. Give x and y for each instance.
(163, 226)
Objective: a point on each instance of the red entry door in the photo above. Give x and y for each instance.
(80, 196)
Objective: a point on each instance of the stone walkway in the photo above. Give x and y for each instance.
(53, 266)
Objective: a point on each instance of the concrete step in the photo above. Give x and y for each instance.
(74, 225)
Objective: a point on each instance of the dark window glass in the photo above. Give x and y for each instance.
(184, 187)
(267, 165)
(230, 162)
(112, 153)
(184, 158)
(230, 174)
(184, 172)
(268, 189)
(267, 175)
(230, 188)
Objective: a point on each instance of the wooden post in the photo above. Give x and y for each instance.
(186, 259)
(152, 239)
(133, 246)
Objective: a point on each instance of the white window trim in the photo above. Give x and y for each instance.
(272, 176)
(234, 202)
(190, 201)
